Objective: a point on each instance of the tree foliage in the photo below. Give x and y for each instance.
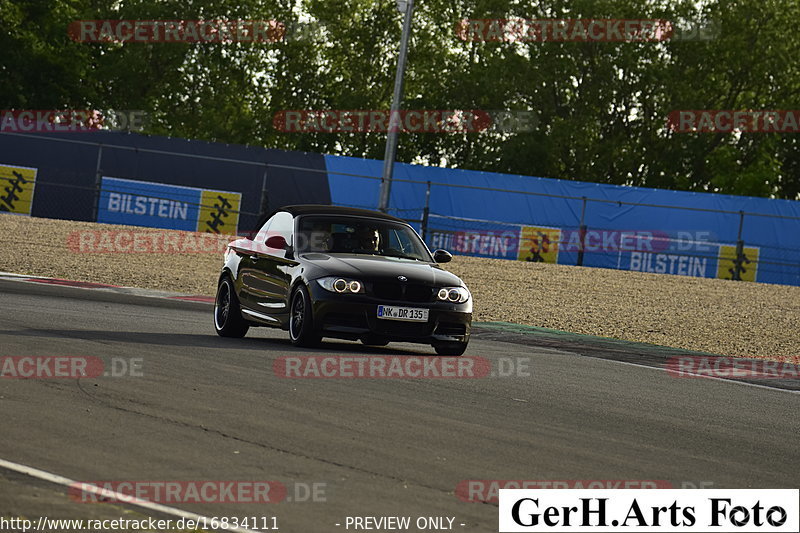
(601, 106)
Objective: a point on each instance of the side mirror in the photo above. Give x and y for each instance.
(442, 256)
(277, 242)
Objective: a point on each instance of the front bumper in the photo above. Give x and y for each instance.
(354, 316)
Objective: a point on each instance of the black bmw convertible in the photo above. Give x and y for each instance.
(326, 271)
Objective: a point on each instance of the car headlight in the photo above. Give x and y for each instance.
(341, 285)
(456, 295)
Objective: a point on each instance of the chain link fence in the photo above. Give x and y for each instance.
(586, 241)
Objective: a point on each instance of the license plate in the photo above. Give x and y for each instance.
(408, 314)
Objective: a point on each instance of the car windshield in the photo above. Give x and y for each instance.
(360, 235)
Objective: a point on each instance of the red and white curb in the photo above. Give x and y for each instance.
(118, 289)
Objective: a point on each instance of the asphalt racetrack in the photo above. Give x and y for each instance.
(207, 408)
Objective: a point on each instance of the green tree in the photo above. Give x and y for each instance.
(602, 107)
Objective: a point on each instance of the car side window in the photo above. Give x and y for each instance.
(281, 224)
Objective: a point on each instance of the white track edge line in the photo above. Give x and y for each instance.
(123, 498)
(726, 380)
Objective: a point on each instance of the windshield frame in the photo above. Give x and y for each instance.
(377, 221)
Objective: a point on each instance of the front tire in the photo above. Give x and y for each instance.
(450, 348)
(301, 319)
(228, 321)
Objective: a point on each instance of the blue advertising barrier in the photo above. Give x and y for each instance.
(154, 205)
(677, 232)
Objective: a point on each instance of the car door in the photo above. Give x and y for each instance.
(267, 275)
(248, 269)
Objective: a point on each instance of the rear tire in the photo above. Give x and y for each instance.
(301, 319)
(228, 321)
(450, 348)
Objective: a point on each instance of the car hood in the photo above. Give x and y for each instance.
(374, 267)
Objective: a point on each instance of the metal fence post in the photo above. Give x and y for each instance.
(426, 211)
(264, 195)
(739, 261)
(98, 183)
(582, 233)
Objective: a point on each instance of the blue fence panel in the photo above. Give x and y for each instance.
(688, 239)
(67, 171)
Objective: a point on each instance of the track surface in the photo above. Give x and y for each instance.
(211, 409)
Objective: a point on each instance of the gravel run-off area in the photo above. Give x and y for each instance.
(738, 319)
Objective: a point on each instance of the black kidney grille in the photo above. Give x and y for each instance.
(409, 292)
(419, 293)
(390, 291)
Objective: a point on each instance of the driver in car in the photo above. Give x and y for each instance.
(368, 241)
